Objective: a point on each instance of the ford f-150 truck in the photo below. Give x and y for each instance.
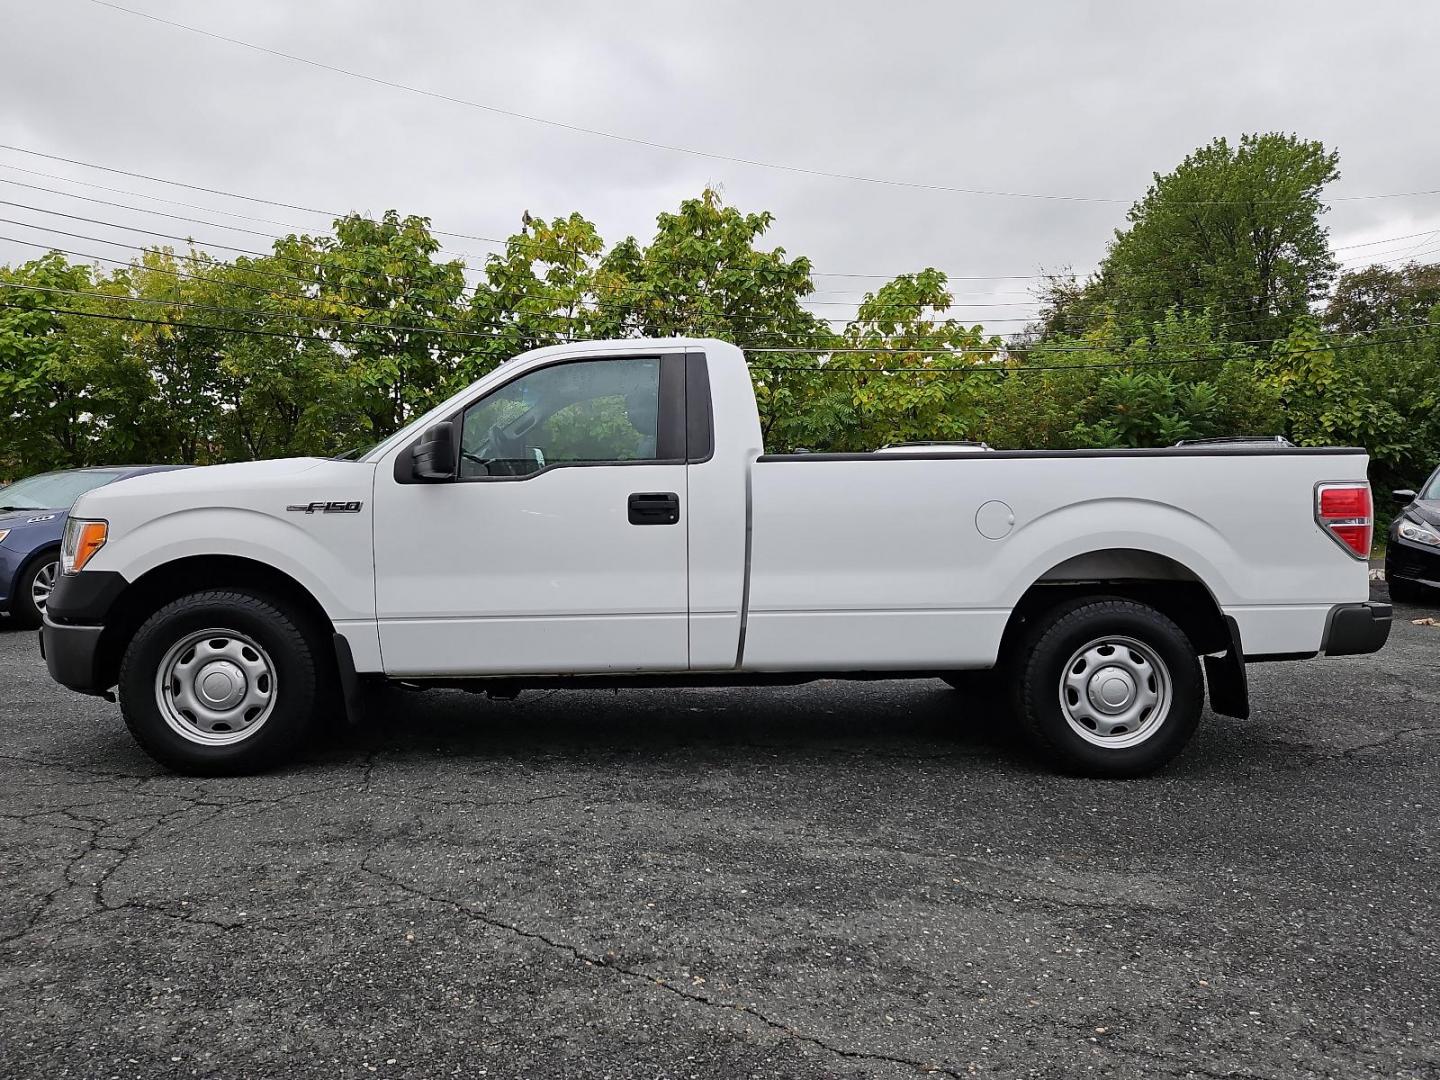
(604, 514)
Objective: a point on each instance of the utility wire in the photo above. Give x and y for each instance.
(331, 214)
(974, 369)
(467, 255)
(293, 229)
(466, 236)
(1142, 299)
(583, 305)
(653, 144)
(811, 350)
(715, 319)
(1120, 301)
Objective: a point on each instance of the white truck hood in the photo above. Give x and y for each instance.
(269, 487)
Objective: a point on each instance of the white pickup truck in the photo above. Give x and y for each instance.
(604, 514)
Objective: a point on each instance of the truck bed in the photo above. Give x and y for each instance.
(879, 560)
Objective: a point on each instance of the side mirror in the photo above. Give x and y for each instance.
(1404, 497)
(433, 457)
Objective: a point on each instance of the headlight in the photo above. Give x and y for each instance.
(4, 533)
(1417, 532)
(82, 540)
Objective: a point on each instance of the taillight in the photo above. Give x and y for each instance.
(1346, 513)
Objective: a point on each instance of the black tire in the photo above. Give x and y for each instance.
(1406, 592)
(289, 646)
(1041, 664)
(24, 614)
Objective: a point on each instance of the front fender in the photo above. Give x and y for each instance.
(330, 555)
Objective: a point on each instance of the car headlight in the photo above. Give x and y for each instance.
(1417, 532)
(4, 533)
(82, 540)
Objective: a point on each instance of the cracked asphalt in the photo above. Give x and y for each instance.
(835, 880)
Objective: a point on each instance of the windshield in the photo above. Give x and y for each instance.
(1431, 492)
(51, 491)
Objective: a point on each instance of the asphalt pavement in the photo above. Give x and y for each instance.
(840, 879)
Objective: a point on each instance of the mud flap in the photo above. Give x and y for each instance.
(349, 681)
(1225, 677)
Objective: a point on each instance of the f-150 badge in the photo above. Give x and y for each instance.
(351, 507)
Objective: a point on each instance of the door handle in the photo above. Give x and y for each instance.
(654, 508)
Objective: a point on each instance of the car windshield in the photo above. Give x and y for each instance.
(1433, 491)
(51, 491)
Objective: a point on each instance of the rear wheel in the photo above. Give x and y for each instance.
(1109, 688)
(221, 682)
(34, 589)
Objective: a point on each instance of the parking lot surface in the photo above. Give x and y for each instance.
(841, 879)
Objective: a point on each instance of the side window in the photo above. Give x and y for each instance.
(585, 411)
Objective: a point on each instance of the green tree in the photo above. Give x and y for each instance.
(1367, 299)
(393, 306)
(1233, 229)
(539, 292)
(919, 382)
(702, 274)
(1181, 380)
(46, 423)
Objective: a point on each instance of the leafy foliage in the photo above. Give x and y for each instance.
(1232, 230)
(335, 340)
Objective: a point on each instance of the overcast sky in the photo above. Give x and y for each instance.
(1072, 99)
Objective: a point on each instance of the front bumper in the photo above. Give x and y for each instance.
(72, 655)
(11, 561)
(72, 627)
(1409, 561)
(1353, 629)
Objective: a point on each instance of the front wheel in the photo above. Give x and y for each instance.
(220, 682)
(1109, 688)
(34, 589)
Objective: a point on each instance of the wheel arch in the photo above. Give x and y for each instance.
(1139, 574)
(49, 549)
(40, 554)
(171, 580)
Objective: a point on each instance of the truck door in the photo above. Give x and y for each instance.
(560, 546)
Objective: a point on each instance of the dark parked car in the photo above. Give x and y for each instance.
(32, 520)
(1412, 557)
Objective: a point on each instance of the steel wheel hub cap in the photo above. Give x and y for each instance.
(215, 687)
(1115, 692)
(1111, 689)
(220, 685)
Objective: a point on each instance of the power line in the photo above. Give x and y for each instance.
(268, 255)
(317, 320)
(974, 369)
(687, 314)
(902, 351)
(813, 350)
(950, 277)
(1140, 299)
(653, 144)
(438, 232)
(273, 237)
(332, 214)
(293, 229)
(691, 314)
(619, 289)
(139, 209)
